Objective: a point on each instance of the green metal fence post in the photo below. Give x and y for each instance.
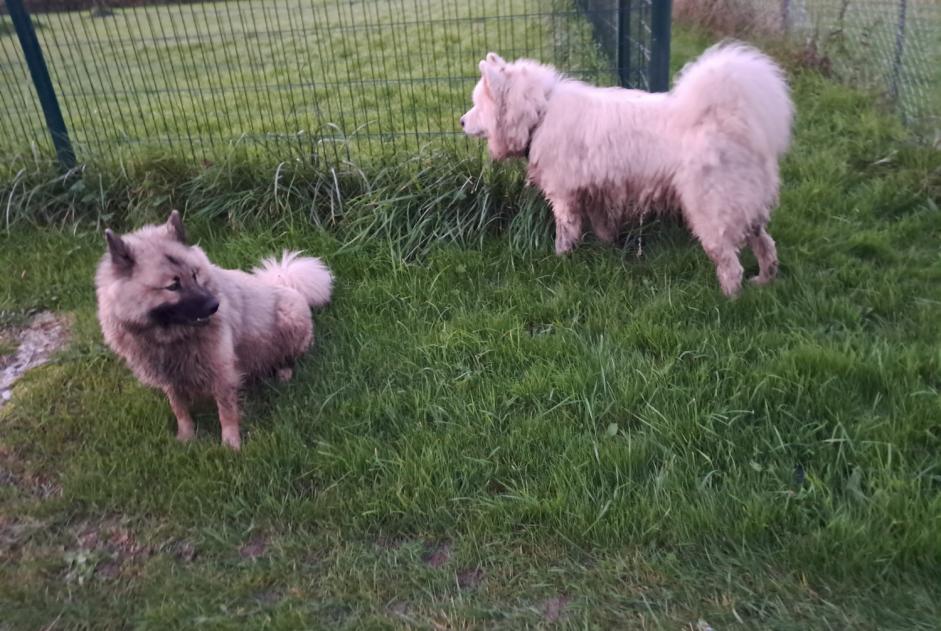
(897, 55)
(659, 69)
(624, 43)
(40, 74)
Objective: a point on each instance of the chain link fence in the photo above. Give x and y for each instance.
(328, 79)
(890, 46)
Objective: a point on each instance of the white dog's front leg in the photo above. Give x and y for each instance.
(568, 226)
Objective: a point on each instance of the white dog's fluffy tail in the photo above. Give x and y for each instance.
(742, 83)
(304, 274)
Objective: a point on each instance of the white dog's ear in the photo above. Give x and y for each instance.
(492, 74)
(494, 58)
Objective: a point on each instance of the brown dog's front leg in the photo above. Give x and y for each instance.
(227, 400)
(185, 430)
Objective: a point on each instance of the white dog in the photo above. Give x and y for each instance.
(710, 147)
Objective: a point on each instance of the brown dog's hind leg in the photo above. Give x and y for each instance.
(294, 325)
(296, 328)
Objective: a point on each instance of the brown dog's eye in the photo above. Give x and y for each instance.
(175, 285)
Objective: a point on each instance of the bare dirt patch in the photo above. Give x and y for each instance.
(14, 473)
(554, 607)
(470, 578)
(35, 344)
(437, 553)
(255, 548)
(184, 551)
(104, 549)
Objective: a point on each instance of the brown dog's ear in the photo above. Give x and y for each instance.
(175, 227)
(120, 254)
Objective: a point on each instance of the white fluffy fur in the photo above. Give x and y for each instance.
(710, 147)
(304, 274)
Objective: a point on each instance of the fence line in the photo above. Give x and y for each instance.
(39, 73)
(301, 77)
(890, 46)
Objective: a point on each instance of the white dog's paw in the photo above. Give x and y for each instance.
(231, 438)
(731, 289)
(563, 245)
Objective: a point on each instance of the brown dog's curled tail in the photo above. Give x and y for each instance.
(304, 274)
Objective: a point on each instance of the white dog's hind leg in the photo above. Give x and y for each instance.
(718, 227)
(722, 251)
(568, 225)
(728, 268)
(762, 245)
(603, 224)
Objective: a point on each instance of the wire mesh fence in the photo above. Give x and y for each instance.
(636, 36)
(331, 79)
(609, 24)
(891, 46)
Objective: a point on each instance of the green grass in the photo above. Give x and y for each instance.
(329, 78)
(861, 48)
(7, 347)
(485, 435)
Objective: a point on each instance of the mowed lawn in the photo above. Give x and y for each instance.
(487, 436)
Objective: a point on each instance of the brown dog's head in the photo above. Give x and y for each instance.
(509, 102)
(151, 279)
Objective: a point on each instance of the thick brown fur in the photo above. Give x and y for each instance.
(195, 330)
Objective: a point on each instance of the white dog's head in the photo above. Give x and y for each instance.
(509, 101)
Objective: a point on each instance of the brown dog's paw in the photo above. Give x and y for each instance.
(185, 435)
(285, 374)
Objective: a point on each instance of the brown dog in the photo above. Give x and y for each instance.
(195, 330)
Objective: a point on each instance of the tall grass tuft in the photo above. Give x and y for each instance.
(437, 194)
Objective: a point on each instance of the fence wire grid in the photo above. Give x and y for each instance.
(890, 46)
(613, 26)
(337, 79)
